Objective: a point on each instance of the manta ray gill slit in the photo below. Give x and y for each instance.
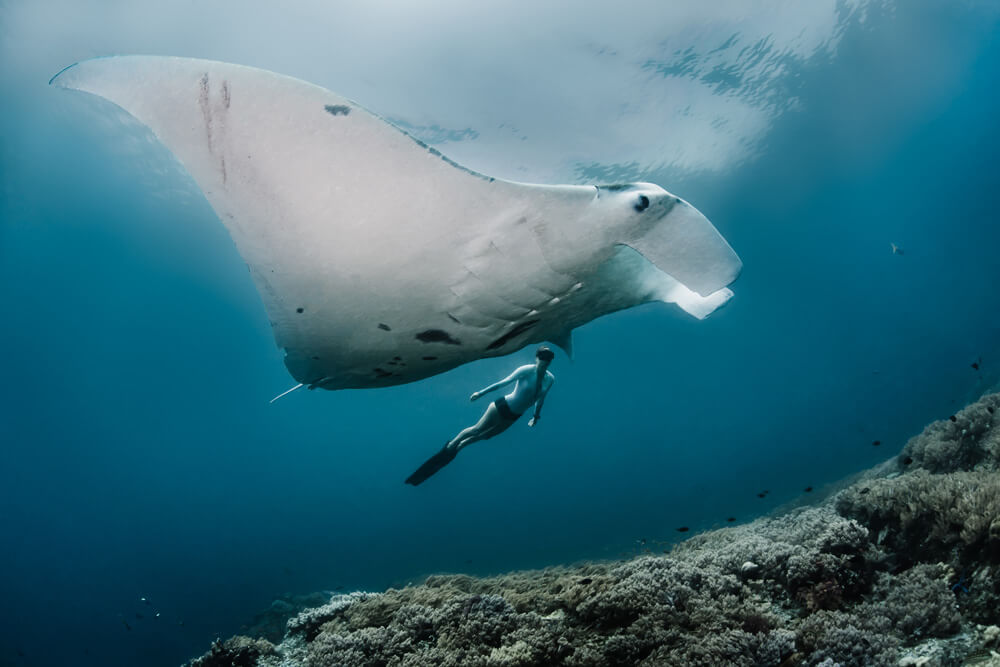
(516, 331)
(437, 336)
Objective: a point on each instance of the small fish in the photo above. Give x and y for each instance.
(585, 581)
(989, 409)
(761, 494)
(896, 250)
(975, 364)
(808, 489)
(908, 460)
(127, 626)
(730, 519)
(144, 600)
(953, 418)
(876, 443)
(683, 529)
(864, 490)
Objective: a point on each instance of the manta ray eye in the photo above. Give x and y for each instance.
(642, 204)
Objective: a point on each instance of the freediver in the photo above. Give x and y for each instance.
(533, 382)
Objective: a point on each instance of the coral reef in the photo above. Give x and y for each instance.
(899, 568)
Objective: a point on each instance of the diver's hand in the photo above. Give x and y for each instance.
(531, 422)
(475, 395)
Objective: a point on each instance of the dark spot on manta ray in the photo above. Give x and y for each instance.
(516, 331)
(642, 204)
(381, 373)
(437, 336)
(453, 318)
(384, 327)
(618, 187)
(429, 358)
(300, 310)
(337, 109)
(397, 358)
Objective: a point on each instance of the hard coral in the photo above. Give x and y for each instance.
(970, 442)
(926, 515)
(919, 602)
(867, 578)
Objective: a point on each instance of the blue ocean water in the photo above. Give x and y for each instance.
(139, 457)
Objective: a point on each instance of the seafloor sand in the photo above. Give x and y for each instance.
(899, 567)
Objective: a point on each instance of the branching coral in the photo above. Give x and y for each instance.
(970, 441)
(927, 516)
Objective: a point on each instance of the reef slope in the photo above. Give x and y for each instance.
(899, 567)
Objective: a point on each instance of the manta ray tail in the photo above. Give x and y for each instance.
(286, 393)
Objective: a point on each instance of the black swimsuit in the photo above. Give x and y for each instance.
(506, 413)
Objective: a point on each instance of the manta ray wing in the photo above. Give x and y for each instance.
(379, 260)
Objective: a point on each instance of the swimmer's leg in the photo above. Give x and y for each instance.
(481, 429)
(488, 425)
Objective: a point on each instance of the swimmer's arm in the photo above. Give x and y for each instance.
(513, 377)
(538, 405)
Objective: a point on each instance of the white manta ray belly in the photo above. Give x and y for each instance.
(379, 260)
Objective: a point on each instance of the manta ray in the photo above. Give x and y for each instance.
(381, 261)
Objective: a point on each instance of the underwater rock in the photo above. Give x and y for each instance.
(235, 652)
(902, 567)
(271, 624)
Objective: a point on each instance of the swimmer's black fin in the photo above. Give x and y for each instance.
(432, 465)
